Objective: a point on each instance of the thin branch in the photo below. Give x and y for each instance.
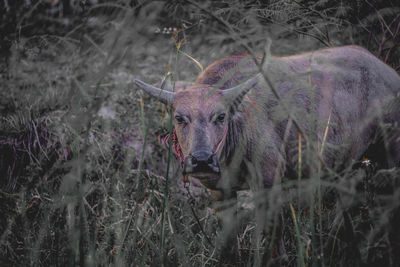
(303, 33)
(366, 29)
(380, 17)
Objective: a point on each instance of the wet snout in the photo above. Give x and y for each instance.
(201, 162)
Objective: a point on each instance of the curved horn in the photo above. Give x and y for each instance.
(163, 95)
(234, 95)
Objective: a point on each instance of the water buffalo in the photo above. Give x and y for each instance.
(232, 132)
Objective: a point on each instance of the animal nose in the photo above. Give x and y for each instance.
(201, 157)
(201, 161)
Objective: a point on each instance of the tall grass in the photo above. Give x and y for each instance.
(84, 180)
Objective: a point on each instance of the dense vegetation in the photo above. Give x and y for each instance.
(83, 177)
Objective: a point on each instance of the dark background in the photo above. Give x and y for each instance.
(82, 175)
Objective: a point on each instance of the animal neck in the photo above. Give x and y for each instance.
(231, 138)
(219, 146)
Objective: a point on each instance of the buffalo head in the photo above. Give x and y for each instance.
(201, 117)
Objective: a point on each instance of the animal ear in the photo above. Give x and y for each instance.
(164, 95)
(234, 96)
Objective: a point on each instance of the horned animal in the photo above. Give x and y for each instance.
(234, 133)
(229, 120)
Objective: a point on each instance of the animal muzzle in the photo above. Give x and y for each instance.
(201, 162)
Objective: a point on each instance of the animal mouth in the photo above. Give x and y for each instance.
(203, 173)
(208, 179)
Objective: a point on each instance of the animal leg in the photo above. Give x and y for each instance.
(276, 256)
(394, 237)
(227, 218)
(394, 150)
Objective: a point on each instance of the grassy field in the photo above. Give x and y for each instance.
(84, 178)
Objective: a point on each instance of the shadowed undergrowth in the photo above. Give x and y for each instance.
(83, 176)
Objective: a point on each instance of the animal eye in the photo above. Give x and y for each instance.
(179, 119)
(221, 117)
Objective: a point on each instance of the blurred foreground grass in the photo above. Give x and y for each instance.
(83, 175)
